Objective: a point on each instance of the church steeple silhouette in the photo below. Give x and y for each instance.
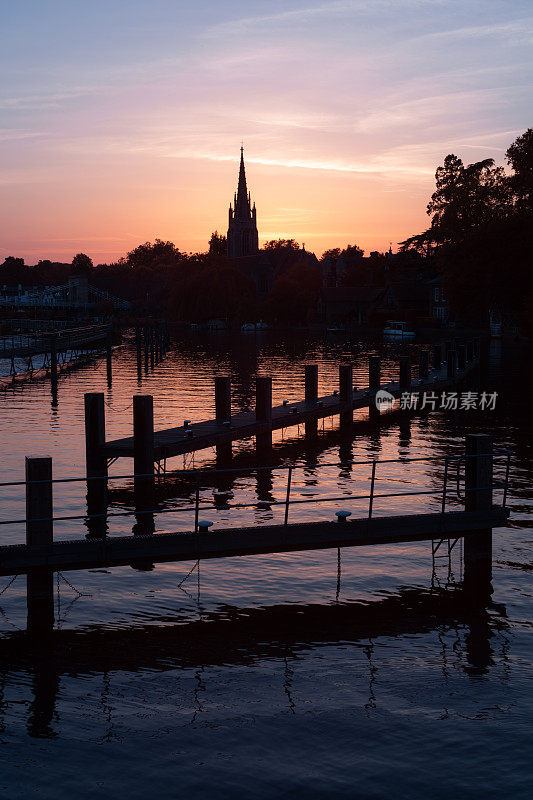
(243, 239)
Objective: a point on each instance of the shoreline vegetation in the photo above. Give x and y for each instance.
(479, 246)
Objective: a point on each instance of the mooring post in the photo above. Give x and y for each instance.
(478, 497)
(146, 346)
(374, 382)
(311, 397)
(53, 357)
(423, 364)
(156, 342)
(223, 414)
(437, 357)
(138, 349)
(405, 372)
(143, 460)
(461, 357)
(39, 534)
(346, 394)
(152, 346)
(109, 353)
(263, 413)
(96, 464)
(451, 364)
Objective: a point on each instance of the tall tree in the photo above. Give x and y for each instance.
(520, 158)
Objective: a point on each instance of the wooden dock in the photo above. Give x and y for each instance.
(147, 445)
(40, 556)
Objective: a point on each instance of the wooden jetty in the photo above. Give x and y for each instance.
(148, 446)
(40, 556)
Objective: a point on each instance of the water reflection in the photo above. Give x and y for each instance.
(231, 636)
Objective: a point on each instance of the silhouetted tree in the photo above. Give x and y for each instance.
(520, 158)
(282, 244)
(82, 264)
(217, 244)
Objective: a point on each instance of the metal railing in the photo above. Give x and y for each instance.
(196, 477)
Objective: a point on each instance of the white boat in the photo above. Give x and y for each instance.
(398, 330)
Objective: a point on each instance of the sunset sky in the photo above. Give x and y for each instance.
(121, 120)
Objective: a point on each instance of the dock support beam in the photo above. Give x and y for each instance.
(263, 413)
(346, 394)
(451, 364)
(109, 354)
(53, 358)
(39, 533)
(461, 358)
(405, 372)
(311, 396)
(478, 497)
(96, 463)
(223, 414)
(423, 364)
(437, 357)
(143, 460)
(138, 349)
(374, 382)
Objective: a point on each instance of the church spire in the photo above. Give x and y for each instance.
(242, 231)
(242, 202)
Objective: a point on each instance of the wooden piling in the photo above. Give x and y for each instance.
(451, 364)
(223, 414)
(437, 357)
(109, 354)
(96, 463)
(138, 349)
(346, 394)
(423, 364)
(263, 413)
(152, 347)
(478, 497)
(461, 357)
(53, 357)
(405, 372)
(143, 460)
(39, 534)
(311, 396)
(374, 382)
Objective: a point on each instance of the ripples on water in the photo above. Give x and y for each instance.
(280, 675)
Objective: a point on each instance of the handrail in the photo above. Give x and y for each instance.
(244, 469)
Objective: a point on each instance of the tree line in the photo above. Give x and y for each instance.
(480, 239)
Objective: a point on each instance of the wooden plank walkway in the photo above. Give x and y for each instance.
(163, 547)
(209, 433)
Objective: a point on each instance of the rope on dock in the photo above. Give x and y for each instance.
(118, 410)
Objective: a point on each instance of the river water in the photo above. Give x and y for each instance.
(321, 674)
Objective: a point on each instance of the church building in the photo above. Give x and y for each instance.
(263, 267)
(243, 239)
